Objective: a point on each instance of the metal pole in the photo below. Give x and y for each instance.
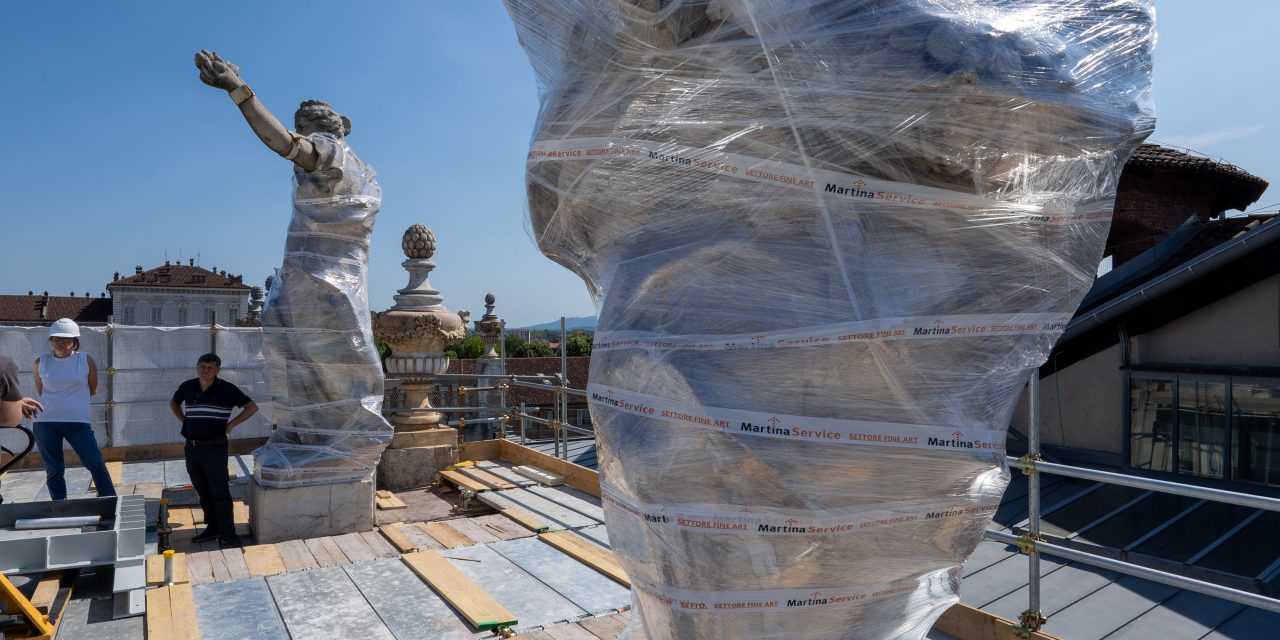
(109, 428)
(564, 382)
(523, 423)
(1032, 618)
(1151, 484)
(1146, 573)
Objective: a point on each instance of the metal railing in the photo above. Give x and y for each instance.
(512, 422)
(1033, 544)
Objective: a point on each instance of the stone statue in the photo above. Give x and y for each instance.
(322, 364)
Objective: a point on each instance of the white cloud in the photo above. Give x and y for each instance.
(1211, 137)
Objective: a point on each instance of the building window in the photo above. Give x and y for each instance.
(1255, 433)
(157, 316)
(182, 316)
(233, 314)
(1192, 425)
(1202, 428)
(1151, 424)
(128, 315)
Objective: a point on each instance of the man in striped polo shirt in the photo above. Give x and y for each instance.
(204, 405)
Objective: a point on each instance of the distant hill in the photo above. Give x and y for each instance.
(585, 322)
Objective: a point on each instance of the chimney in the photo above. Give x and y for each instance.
(30, 292)
(86, 294)
(166, 262)
(137, 270)
(115, 277)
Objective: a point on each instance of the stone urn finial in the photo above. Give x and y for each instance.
(418, 242)
(418, 326)
(490, 327)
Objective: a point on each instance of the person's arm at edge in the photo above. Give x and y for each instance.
(93, 375)
(246, 412)
(35, 373)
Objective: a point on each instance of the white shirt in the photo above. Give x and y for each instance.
(64, 388)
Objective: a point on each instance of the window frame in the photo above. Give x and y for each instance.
(1229, 426)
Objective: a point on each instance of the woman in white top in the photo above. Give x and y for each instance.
(65, 378)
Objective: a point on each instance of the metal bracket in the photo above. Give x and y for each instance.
(1027, 463)
(1027, 543)
(1029, 622)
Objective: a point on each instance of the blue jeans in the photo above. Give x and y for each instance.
(49, 436)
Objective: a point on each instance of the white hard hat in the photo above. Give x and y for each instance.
(64, 328)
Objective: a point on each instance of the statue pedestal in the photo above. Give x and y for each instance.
(276, 515)
(415, 467)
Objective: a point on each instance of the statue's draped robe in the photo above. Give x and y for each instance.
(323, 367)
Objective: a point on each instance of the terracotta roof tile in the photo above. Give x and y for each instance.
(1244, 188)
(179, 275)
(24, 310)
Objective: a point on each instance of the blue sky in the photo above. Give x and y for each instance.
(116, 155)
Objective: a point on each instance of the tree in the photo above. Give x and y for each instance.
(578, 344)
(518, 348)
(470, 347)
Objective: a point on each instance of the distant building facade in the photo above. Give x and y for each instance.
(172, 295)
(176, 295)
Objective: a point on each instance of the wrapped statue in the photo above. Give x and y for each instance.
(323, 367)
(829, 240)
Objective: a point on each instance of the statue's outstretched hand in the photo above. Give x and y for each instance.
(216, 72)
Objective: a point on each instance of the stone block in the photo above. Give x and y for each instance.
(428, 438)
(276, 515)
(414, 467)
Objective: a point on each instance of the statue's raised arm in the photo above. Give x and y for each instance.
(221, 74)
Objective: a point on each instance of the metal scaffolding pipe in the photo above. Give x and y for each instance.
(1032, 618)
(1146, 573)
(1190, 491)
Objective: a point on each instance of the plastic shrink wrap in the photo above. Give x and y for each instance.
(829, 240)
(323, 367)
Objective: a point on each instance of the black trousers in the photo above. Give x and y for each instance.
(207, 466)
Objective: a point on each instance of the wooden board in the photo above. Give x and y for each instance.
(240, 512)
(501, 526)
(486, 478)
(199, 567)
(477, 533)
(155, 569)
(563, 631)
(480, 450)
(446, 535)
(236, 565)
(113, 470)
(379, 544)
(463, 481)
(540, 475)
(469, 600)
(389, 502)
(159, 615)
(263, 560)
(46, 591)
(152, 490)
(587, 553)
(576, 476)
(181, 518)
(519, 516)
(182, 608)
(327, 554)
(221, 573)
(605, 627)
(296, 556)
(354, 547)
(396, 537)
(963, 621)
